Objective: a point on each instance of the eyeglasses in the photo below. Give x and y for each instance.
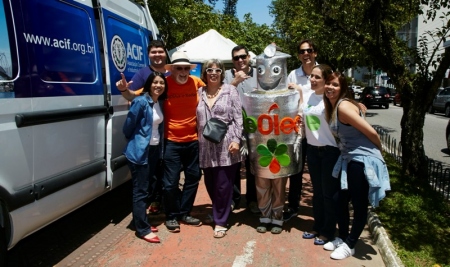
(309, 50)
(183, 68)
(211, 70)
(236, 58)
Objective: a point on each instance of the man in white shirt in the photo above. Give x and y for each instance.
(299, 79)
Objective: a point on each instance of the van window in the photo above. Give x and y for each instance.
(6, 53)
(63, 42)
(7, 56)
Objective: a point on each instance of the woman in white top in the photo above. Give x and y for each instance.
(321, 156)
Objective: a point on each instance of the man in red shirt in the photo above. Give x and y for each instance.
(181, 145)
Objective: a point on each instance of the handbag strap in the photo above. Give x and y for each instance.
(206, 103)
(206, 113)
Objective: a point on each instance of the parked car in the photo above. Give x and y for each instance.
(371, 96)
(391, 92)
(441, 102)
(397, 100)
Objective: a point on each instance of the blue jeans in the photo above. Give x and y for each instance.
(140, 178)
(321, 161)
(358, 190)
(178, 156)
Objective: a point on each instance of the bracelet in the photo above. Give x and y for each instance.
(123, 90)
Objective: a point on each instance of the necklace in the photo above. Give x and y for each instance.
(214, 95)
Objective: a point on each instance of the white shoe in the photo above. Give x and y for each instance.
(332, 245)
(342, 252)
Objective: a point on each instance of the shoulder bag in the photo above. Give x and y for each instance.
(215, 129)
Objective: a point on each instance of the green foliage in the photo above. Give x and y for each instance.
(416, 220)
(182, 20)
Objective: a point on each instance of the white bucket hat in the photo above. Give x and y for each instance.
(180, 58)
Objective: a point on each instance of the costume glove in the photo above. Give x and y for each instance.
(243, 149)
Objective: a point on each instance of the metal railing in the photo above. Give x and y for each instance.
(438, 176)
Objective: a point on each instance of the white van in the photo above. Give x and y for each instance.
(61, 114)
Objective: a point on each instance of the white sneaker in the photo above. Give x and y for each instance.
(342, 252)
(332, 245)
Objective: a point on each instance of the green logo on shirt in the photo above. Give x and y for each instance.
(313, 122)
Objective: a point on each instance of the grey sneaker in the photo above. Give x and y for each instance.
(332, 245)
(173, 226)
(187, 219)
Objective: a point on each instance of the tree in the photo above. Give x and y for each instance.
(182, 20)
(297, 20)
(373, 26)
(229, 7)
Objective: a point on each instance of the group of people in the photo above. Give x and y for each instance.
(166, 121)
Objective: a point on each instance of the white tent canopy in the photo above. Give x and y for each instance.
(209, 45)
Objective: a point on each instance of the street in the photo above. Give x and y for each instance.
(434, 130)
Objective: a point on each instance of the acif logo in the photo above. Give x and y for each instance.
(118, 53)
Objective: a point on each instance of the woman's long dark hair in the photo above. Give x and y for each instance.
(149, 81)
(343, 93)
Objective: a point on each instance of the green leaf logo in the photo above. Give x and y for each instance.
(313, 122)
(273, 155)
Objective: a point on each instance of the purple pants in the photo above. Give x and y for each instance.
(219, 183)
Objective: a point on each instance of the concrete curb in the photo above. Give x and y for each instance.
(381, 239)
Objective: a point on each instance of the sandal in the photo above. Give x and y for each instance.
(307, 235)
(220, 232)
(320, 241)
(262, 228)
(276, 229)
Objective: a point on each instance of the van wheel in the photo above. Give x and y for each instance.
(447, 111)
(3, 247)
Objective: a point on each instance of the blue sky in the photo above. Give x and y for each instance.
(259, 10)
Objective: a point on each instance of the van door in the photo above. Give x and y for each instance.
(126, 29)
(53, 117)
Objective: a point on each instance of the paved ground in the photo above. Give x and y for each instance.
(116, 245)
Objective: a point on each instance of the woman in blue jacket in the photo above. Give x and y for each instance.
(364, 177)
(144, 130)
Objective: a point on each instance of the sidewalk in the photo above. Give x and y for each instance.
(242, 246)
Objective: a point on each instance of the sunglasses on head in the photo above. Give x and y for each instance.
(211, 70)
(309, 50)
(236, 58)
(182, 68)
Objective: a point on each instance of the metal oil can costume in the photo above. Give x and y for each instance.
(273, 125)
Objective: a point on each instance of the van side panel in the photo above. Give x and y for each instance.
(125, 40)
(61, 115)
(53, 166)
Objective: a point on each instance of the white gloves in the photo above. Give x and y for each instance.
(243, 149)
(298, 147)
